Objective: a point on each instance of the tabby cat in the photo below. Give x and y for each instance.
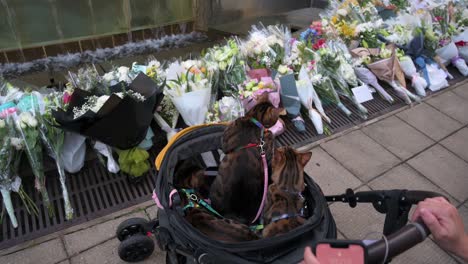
(237, 190)
(199, 217)
(284, 206)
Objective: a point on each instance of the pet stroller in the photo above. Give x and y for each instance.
(186, 244)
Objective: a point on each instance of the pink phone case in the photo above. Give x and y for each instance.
(353, 254)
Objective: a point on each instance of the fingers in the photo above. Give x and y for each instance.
(309, 257)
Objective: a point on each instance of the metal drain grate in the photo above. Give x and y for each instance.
(94, 192)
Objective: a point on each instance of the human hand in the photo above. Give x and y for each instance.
(309, 257)
(445, 223)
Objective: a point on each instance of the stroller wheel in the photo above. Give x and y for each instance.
(136, 248)
(131, 227)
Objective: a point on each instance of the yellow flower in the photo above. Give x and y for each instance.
(334, 20)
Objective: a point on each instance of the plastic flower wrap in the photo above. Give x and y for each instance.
(155, 71)
(418, 83)
(119, 119)
(328, 65)
(189, 87)
(445, 30)
(10, 151)
(262, 49)
(325, 89)
(252, 89)
(384, 64)
(120, 74)
(88, 79)
(227, 59)
(225, 110)
(309, 98)
(166, 117)
(435, 77)
(53, 138)
(134, 161)
(28, 129)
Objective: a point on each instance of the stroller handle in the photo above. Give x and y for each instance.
(398, 242)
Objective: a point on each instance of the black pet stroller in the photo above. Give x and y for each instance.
(185, 244)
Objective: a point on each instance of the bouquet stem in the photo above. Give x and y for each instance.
(29, 204)
(66, 197)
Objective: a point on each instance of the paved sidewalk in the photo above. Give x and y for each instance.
(420, 147)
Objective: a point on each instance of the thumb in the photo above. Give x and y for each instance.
(309, 257)
(431, 222)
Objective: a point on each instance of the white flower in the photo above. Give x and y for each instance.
(17, 143)
(123, 73)
(32, 122)
(154, 63)
(342, 12)
(99, 103)
(2, 123)
(283, 70)
(109, 77)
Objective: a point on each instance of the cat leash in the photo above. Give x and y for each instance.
(193, 198)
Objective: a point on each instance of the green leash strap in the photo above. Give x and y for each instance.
(194, 198)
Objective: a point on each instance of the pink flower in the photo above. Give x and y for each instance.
(66, 98)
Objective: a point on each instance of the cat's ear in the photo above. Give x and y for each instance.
(278, 156)
(280, 111)
(304, 158)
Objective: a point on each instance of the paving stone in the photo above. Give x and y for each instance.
(86, 238)
(429, 121)
(463, 210)
(361, 155)
(451, 105)
(462, 91)
(426, 252)
(49, 252)
(108, 253)
(458, 143)
(358, 222)
(329, 174)
(405, 177)
(398, 137)
(444, 169)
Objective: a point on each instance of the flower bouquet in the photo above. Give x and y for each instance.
(28, 130)
(329, 64)
(119, 119)
(309, 98)
(166, 116)
(228, 61)
(262, 50)
(225, 110)
(189, 87)
(446, 49)
(418, 83)
(421, 52)
(10, 151)
(461, 41)
(53, 139)
(251, 91)
(384, 64)
(290, 97)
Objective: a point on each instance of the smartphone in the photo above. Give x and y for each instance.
(340, 252)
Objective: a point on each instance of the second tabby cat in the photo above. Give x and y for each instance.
(284, 207)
